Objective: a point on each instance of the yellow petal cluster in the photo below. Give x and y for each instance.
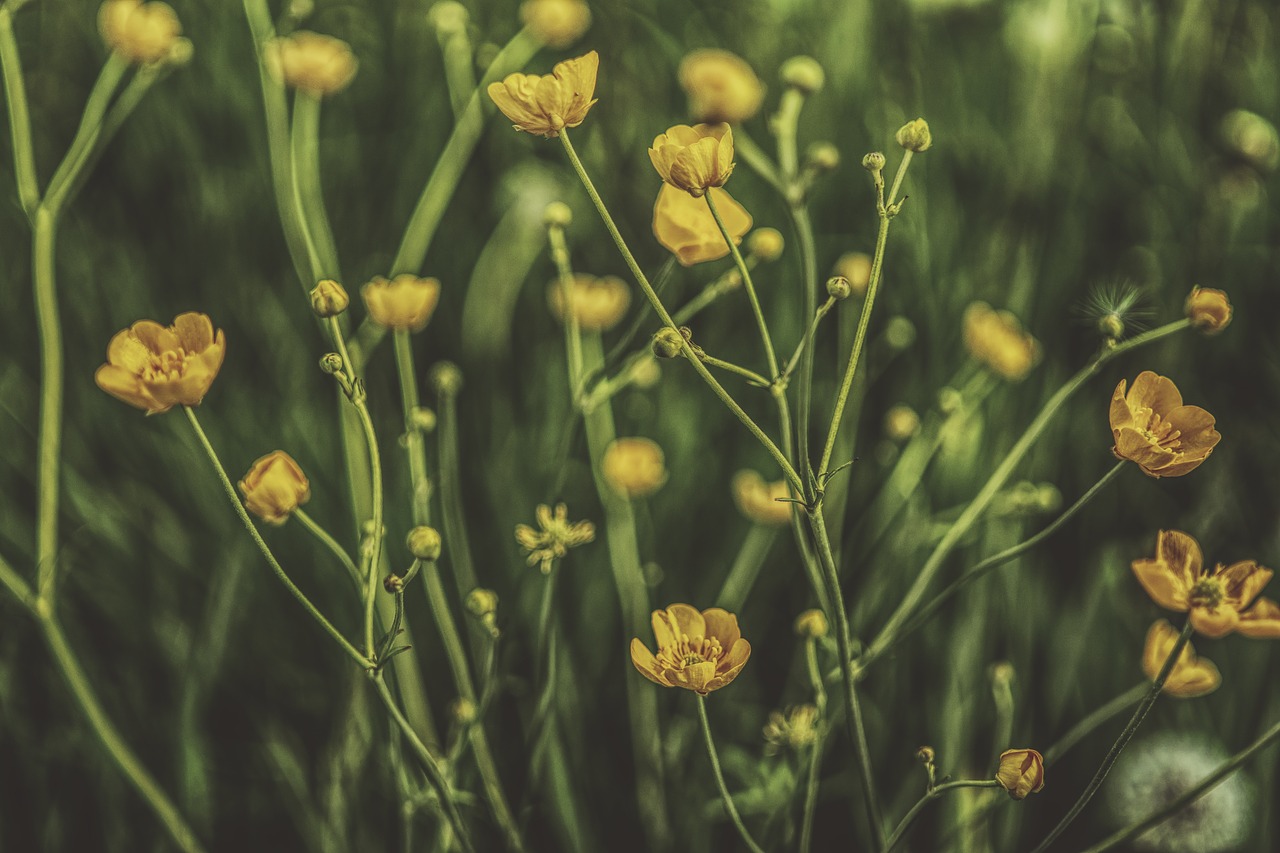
(598, 303)
(556, 23)
(274, 487)
(554, 536)
(547, 104)
(634, 467)
(796, 728)
(1153, 429)
(697, 651)
(759, 500)
(1217, 600)
(1209, 310)
(1021, 772)
(156, 367)
(685, 227)
(310, 62)
(143, 33)
(694, 159)
(721, 86)
(405, 302)
(1191, 675)
(996, 339)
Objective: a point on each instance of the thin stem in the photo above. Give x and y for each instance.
(724, 789)
(749, 375)
(1096, 718)
(415, 442)
(87, 134)
(1153, 693)
(756, 159)
(771, 358)
(807, 340)
(13, 581)
(933, 794)
(897, 178)
(15, 90)
(51, 383)
(569, 314)
(451, 503)
(815, 759)
(306, 176)
(330, 543)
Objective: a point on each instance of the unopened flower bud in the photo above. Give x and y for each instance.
(329, 299)
(855, 266)
(915, 136)
(766, 244)
(464, 711)
(899, 332)
(824, 156)
(901, 423)
(331, 362)
(838, 287)
(180, 53)
(812, 624)
(424, 543)
(1021, 772)
(393, 584)
(667, 343)
(448, 17)
(803, 73)
(422, 419)
(925, 755)
(482, 602)
(873, 162)
(557, 214)
(556, 23)
(446, 378)
(1208, 309)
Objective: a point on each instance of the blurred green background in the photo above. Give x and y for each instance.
(1079, 148)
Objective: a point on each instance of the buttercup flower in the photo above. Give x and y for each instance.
(554, 538)
(694, 159)
(317, 64)
(685, 227)
(598, 303)
(721, 86)
(556, 23)
(1021, 772)
(405, 302)
(1208, 310)
(1152, 428)
(155, 368)
(758, 500)
(143, 33)
(996, 339)
(1190, 677)
(274, 487)
(1217, 600)
(796, 729)
(697, 651)
(634, 467)
(546, 105)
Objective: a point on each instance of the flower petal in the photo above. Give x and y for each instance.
(1262, 621)
(194, 330)
(1197, 678)
(688, 622)
(1154, 392)
(646, 663)
(1165, 588)
(722, 625)
(1181, 552)
(1243, 582)
(1120, 414)
(1215, 623)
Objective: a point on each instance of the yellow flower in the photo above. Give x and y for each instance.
(1190, 677)
(996, 339)
(405, 302)
(143, 33)
(599, 303)
(901, 423)
(796, 729)
(556, 536)
(274, 487)
(721, 86)
(697, 651)
(812, 624)
(634, 467)
(155, 368)
(1152, 428)
(1216, 600)
(556, 23)
(1021, 772)
(317, 64)
(685, 227)
(546, 105)
(855, 266)
(1208, 310)
(758, 500)
(694, 159)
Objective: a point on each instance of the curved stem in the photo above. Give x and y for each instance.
(451, 502)
(807, 340)
(330, 543)
(744, 271)
(306, 117)
(724, 789)
(933, 794)
(15, 90)
(87, 134)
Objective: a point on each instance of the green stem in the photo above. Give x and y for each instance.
(756, 159)
(897, 178)
(807, 340)
(933, 794)
(87, 134)
(724, 789)
(743, 270)
(330, 543)
(749, 375)
(15, 89)
(51, 382)
(306, 176)
(415, 442)
(451, 504)
(459, 77)
(746, 567)
(815, 760)
(13, 581)
(572, 334)
(1099, 716)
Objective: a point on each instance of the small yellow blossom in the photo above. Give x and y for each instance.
(901, 422)
(599, 303)
(404, 302)
(685, 227)
(274, 487)
(996, 339)
(546, 105)
(721, 86)
(694, 159)
(1209, 310)
(634, 467)
(812, 624)
(1021, 772)
(1152, 428)
(765, 243)
(915, 136)
(317, 64)
(758, 500)
(1191, 675)
(556, 23)
(855, 266)
(796, 729)
(697, 651)
(142, 33)
(155, 368)
(554, 538)
(1176, 579)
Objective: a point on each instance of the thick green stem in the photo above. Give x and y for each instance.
(724, 789)
(771, 358)
(87, 134)
(933, 794)
(415, 442)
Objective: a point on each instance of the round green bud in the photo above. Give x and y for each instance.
(873, 161)
(803, 73)
(823, 156)
(424, 543)
(331, 363)
(766, 244)
(557, 214)
(446, 378)
(838, 287)
(329, 299)
(482, 602)
(915, 136)
(667, 343)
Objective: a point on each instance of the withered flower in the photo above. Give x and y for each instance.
(1021, 772)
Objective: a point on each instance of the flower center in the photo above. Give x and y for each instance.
(691, 659)
(1207, 593)
(1158, 431)
(167, 365)
(686, 653)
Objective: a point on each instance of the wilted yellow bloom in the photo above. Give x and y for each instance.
(758, 500)
(996, 339)
(694, 159)
(274, 487)
(1021, 772)
(1176, 579)
(915, 136)
(404, 302)
(598, 303)
(855, 266)
(796, 729)
(142, 33)
(155, 368)
(634, 467)
(697, 651)
(555, 536)
(1191, 675)
(556, 23)
(1152, 428)
(685, 227)
(812, 624)
(317, 64)
(1209, 310)
(546, 105)
(721, 86)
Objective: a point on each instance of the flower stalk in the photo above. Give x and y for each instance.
(724, 789)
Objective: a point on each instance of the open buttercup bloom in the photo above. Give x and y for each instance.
(553, 538)
(556, 23)
(1153, 429)
(598, 303)
(1021, 772)
(1191, 675)
(157, 367)
(685, 227)
(274, 487)
(996, 339)
(1209, 310)
(694, 159)
(758, 500)
(549, 103)
(142, 33)
(405, 302)
(310, 62)
(721, 86)
(634, 467)
(697, 651)
(1218, 600)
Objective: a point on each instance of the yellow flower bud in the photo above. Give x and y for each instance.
(873, 161)
(796, 729)
(685, 227)
(694, 159)
(317, 64)
(422, 419)
(758, 500)
(915, 136)
(1209, 310)
(446, 378)
(329, 299)
(558, 214)
(856, 267)
(901, 423)
(406, 302)
(1021, 772)
(765, 243)
(812, 624)
(142, 33)
(556, 23)
(996, 339)
(448, 17)
(823, 156)
(424, 543)
(546, 105)
(634, 467)
(598, 303)
(464, 711)
(803, 73)
(721, 86)
(274, 487)
(482, 602)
